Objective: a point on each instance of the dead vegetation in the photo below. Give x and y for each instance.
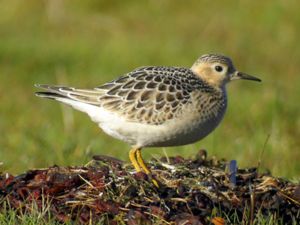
(192, 191)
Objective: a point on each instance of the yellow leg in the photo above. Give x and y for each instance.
(141, 161)
(144, 167)
(132, 157)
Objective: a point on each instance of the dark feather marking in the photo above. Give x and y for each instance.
(159, 97)
(170, 98)
(114, 90)
(122, 93)
(159, 105)
(129, 84)
(167, 109)
(136, 74)
(139, 105)
(107, 98)
(151, 85)
(112, 104)
(178, 87)
(131, 95)
(141, 77)
(106, 86)
(162, 87)
(179, 96)
(146, 95)
(148, 78)
(121, 80)
(142, 112)
(157, 79)
(172, 89)
(50, 95)
(169, 116)
(167, 81)
(174, 104)
(139, 85)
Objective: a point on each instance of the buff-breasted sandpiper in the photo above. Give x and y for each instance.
(157, 106)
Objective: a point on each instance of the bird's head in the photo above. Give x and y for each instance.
(218, 70)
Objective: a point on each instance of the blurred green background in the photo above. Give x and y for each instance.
(87, 43)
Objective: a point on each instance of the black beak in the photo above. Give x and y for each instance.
(244, 76)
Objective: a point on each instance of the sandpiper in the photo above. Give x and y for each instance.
(157, 106)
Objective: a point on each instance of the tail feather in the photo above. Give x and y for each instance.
(71, 96)
(85, 100)
(50, 95)
(88, 96)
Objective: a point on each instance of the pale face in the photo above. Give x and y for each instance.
(215, 73)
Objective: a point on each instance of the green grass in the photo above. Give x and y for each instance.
(87, 43)
(10, 217)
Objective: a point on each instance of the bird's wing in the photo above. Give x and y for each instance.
(150, 95)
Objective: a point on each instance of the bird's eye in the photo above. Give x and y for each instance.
(219, 68)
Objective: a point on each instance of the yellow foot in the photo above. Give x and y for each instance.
(137, 161)
(141, 161)
(132, 157)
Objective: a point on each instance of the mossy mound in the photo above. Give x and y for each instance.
(192, 191)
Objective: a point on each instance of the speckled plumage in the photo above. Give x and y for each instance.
(157, 105)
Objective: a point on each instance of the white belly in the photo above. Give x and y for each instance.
(173, 133)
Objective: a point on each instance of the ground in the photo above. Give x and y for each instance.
(191, 191)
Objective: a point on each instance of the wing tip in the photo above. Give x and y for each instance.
(50, 95)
